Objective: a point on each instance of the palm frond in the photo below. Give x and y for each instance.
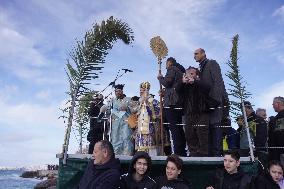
(87, 57)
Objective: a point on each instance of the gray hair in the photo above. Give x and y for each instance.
(106, 145)
(260, 110)
(279, 99)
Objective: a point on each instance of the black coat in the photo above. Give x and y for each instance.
(278, 122)
(195, 98)
(260, 138)
(95, 133)
(127, 181)
(223, 180)
(171, 79)
(163, 182)
(265, 181)
(105, 176)
(277, 136)
(210, 73)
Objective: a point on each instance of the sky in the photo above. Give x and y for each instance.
(36, 37)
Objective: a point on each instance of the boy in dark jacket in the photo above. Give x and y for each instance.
(137, 176)
(172, 180)
(231, 177)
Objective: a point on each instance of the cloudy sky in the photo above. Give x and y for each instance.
(36, 36)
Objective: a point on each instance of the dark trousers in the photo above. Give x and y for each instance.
(277, 140)
(196, 134)
(95, 135)
(215, 140)
(174, 117)
(91, 148)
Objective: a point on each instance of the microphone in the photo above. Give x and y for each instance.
(127, 70)
(112, 83)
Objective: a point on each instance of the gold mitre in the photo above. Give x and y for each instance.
(145, 85)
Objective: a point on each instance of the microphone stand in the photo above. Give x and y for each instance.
(110, 84)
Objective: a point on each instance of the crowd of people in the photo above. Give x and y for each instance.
(52, 167)
(195, 119)
(104, 171)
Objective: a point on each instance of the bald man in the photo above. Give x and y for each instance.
(210, 73)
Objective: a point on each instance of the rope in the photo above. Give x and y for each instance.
(219, 107)
(178, 124)
(221, 126)
(271, 147)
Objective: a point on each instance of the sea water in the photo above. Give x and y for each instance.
(10, 179)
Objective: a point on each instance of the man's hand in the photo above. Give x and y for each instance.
(209, 187)
(161, 93)
(123, 107)
(184, 78)
(190, 80)
(160, 76)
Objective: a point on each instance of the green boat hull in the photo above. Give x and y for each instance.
(196, 169)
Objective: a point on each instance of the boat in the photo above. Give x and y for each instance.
(197, 169)
(72, 166)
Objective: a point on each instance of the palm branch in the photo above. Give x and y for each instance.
(86, 59)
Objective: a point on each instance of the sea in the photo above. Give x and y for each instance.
(10, 179)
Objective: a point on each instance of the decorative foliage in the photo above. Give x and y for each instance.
(237, 86)
(238, 90)
(87, 56)
(81, 116)
(159, 47)
(91, 52)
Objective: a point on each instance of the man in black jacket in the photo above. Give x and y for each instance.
(210, 73)
(104, 171)
(277, 129)
(231, 177)
(138, 173)
(172, 104)
(96, 131)
(258, 129)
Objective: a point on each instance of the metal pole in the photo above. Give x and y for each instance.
(81, 138)
(104, 129)
(110, 121)
(69, 126)
(161, 109)
(247, 129)
(172, 142)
